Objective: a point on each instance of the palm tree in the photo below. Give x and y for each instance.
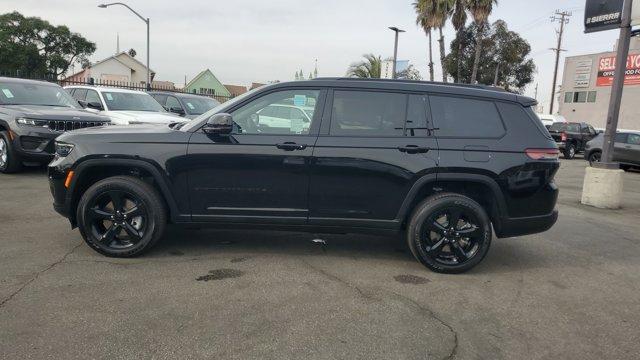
(459, 21)
(436, 13)
(423, 21)
(480, 10)
(371, 67)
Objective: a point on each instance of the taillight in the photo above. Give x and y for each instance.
(543, 154)
(563, 136)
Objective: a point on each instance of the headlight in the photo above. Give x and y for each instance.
(63, 149)
(31, 122)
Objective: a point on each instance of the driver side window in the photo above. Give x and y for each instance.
(288, 112)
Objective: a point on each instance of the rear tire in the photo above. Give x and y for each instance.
(9, 160)
(595, 157)
(569, 151)
(121, 216)
(444, 244)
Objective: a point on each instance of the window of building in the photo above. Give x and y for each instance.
(568, 97)
(465, 117)
(580, 97)
(591, 97)
(368, 113)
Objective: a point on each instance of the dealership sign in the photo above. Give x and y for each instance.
(600, 15)
(607, 67)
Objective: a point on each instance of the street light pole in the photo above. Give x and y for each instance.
(395, 50)
(147, 21)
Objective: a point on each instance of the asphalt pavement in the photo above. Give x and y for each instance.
(570, 293)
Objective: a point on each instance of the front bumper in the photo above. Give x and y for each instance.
(34, 144)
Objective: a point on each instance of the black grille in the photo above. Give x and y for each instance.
(61, 125)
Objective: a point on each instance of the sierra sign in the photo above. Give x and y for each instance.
(600, 15)
(607, 67)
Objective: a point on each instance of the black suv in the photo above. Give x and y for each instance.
(32, 114)
(443, 164)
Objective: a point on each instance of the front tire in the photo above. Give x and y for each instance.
(449, 233)
(569, 151)
(9, 160)
(595, 157)
(121, 216)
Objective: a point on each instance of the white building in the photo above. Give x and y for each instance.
(586, 88)
(119, 67)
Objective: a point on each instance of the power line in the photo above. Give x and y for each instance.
(563, 18)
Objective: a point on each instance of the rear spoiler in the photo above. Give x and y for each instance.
(526, 101)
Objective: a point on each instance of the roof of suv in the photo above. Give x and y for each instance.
(177, 94)
(414, 85)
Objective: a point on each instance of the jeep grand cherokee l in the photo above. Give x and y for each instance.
(442, 164)
(32, 114)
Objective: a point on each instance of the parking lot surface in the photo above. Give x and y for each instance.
(570, 293)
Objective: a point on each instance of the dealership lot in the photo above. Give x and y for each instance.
(570, 293)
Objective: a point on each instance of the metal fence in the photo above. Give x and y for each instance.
(108, 83)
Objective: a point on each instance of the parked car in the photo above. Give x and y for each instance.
(444, 164)
(548, 119)
(122, 106)
(32, 114)
(572, 137)
(626, 149)
(188, 106)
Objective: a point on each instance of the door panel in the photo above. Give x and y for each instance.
(259, 173)
(364, 166)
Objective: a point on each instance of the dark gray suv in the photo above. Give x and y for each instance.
(626, 149)
(32, 114)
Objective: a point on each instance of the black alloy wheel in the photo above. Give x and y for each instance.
(569, 151)
(121, 216)
(595, 157)
(449, 233)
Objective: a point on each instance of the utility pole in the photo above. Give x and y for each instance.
(563, 18)
(536, 93)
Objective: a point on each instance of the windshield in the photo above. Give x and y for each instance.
(15, 93)
(131, 101)
(199, 105)
(565, 127)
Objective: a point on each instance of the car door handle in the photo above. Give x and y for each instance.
(413, 149)
(291, 146)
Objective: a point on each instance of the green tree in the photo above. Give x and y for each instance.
(503, 62)
(370, 67)
(410, 73)
(459, 21)
(31, 46)
(424, 22)
(480, 10)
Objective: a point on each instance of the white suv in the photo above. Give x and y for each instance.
(123, 106)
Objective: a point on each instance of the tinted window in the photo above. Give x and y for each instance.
(463, 117)
(417, 116)
(280, 117)
(172, 102)
(364, 113)
(92, 97)
(161, 99)
(572, 127)
(633, 139)
(620, 138)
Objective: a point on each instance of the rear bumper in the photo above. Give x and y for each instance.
(510, 227)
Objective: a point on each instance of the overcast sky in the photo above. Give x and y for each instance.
(243, 41)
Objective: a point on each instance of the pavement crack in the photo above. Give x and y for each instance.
(425, 310)
(37, 274)
(340, 280)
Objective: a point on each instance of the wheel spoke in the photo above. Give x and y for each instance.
(117, 200)
(134, 211)
(435, 249)
(470, 232)
(131, 231)
(98, 214)
(110, 234)
(453, 217)
(460, 254)
(435, 226)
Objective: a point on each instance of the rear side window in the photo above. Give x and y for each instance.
(464, 117)
(367, 113)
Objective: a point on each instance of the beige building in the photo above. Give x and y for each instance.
(586, 88)
(119, 67)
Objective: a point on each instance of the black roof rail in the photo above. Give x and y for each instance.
(437, 83)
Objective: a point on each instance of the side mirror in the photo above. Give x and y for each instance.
(177, 110)
(95, 105)
(83, 103)
(219, 124)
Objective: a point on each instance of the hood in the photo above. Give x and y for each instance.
(143, 117)
(54, 113)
